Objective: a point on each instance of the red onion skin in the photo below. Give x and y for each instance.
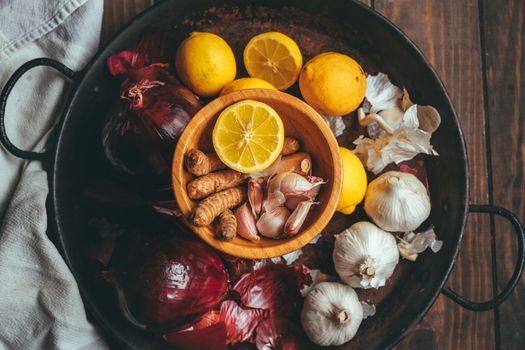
(279, 333)
(125, 60)
(141, 132)
(212, 337)
(241, 323)
(273, 287)
(168, 280)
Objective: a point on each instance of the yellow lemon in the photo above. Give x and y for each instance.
(248, 136)
(274, 57)
(246, 83)
(354, 182)
(333, 83)
(205, 63)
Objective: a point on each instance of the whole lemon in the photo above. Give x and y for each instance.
(246, 83)
(333, 83)
(205, 63)
(354, 182)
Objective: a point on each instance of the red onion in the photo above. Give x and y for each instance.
(273, 287)
(211, 337)
(167, 280)
(142, 131)
(278, 333)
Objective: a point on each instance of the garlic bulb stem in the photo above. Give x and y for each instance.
(343, 316)
(365, 256)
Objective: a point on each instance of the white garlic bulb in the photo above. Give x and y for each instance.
(365, 256)
(397, 202)
(331, 314)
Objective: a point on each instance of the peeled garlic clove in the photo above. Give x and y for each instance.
(296, 219)
(397, 202)
(255, 197)
(365, 256)
(393, 116)
(331, 314)
(429, 118)
(246, 227)
(271, 223)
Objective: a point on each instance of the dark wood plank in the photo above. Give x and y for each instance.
(447, 33)
(504, 34)
(119, 12)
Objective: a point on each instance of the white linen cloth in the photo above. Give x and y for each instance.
(40, 305)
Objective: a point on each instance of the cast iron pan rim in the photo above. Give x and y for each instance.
(408, 44)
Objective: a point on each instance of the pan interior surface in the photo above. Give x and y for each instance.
(317, 26)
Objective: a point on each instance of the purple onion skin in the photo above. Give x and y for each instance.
(141, 132)
(168, 280)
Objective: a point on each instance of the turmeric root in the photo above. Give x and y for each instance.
(199, 163)
(210, 207)
(291, 145)
(300, 163)
(226, 229)
(214, 182)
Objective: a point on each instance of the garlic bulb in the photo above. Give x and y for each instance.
(397, 202)
(365, 256)
(331, 314)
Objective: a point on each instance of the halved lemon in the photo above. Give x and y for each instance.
(273, 57)
(248, 136)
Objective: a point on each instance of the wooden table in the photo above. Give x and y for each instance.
(478, 50)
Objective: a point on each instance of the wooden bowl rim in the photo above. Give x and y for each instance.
(201, 120)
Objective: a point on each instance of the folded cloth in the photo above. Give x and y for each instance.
(40, 305)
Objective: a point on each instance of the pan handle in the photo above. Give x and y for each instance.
(4, 139)
(520, 235)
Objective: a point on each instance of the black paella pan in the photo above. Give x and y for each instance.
(317, 25)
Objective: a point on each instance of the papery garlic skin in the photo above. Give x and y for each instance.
(397, 202)
(365, 256)
(331, 314)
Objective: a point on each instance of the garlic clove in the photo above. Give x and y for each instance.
(291, 184)
(393, 116)
(297, 218)
(397, 202)
(271, 223)
(255, 197)
(429, 118)
(246, 226)
(299, 162)
(275, 199)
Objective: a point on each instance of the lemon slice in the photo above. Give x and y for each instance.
(248, 136)
(273, 57)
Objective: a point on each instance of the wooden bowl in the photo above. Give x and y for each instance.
(300, 121)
